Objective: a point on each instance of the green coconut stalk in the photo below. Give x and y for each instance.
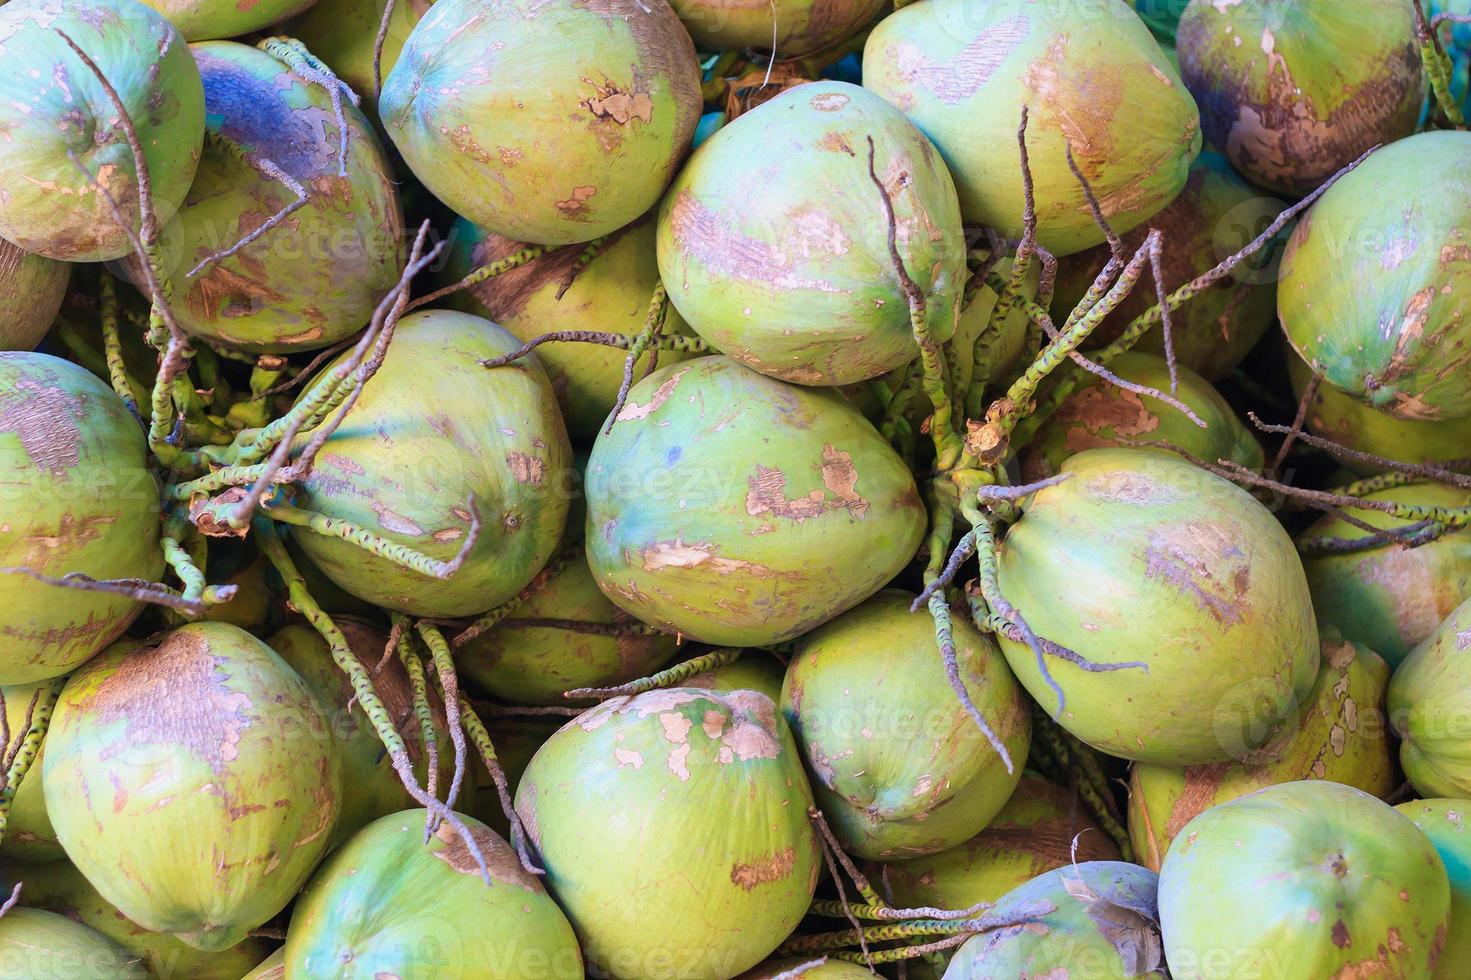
(1137, 557)
(434, 440)
(29, 835)
(34, 943)
(1341, 734)
(55, 108)
(616, 801)
(1376, 280)
(1349, 422)
(798, 281)
(899, 767)
(1319, 878)
(162, 767)
(537, 136)
(370, 787)
(201, 20)
(1292, 92)
(1100, 414)
(555, 292)
(251, 608)
(31, 290)
(1215, 214)
(273, 967)
(809, 968)
(789, 30)
(995, 352)
(516, 740)
(1445, 823)
(58, 887)
(314, 279)
(736, 509)
(1430, 709)
(1102, 917)
(523, 663)
(1390, 598)
(343, 33)
(80, 499)
(1094, 81)
(756, 671)
(388, 904)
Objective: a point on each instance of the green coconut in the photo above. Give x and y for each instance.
(611, 294)
(1100, 414)
(431, 430)
(798, 281)
(36, 944)
(29, 835)
(674, 831)
(898, 765)
(386, 904)
(200, 20)
(79, 497)
(1376, 280)
(1215, 216)
(1093, 79)
(536, 664)
(163, 769)
(1305, 879)
(1390, 598)
(737, 509)
(1293, 92)
(1174, 568)
(1097, 920)
(1430, 709)
(1041, 828)
(545, 122)
(370, 787)
(54, 110)
(789, 29)
(343, 33)
(1444, 822)
(58, 887)
(315, 279)
(31, 290)
(1341, 734)
(1335, 415)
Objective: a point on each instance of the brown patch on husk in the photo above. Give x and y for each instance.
(500, 858)
(764, 870)
(173, 694)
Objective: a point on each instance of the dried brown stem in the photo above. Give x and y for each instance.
(1427, 471)
(1115, 243)
(269, 170)
(141, 590)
